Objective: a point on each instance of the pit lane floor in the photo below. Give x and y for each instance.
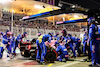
(20, 61)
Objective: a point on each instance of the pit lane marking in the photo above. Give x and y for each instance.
(50, 65)
(72, 63)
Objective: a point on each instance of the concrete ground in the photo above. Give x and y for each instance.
(20, 61)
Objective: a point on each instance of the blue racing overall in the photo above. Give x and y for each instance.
(6, 42)
(72, 45)
(63, 52)
(41, 47)
(17, 41)
(94, 44)
(84, 43)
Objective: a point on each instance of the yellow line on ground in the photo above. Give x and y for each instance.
(50, 65)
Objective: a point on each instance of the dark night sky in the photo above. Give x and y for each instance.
(90, 4)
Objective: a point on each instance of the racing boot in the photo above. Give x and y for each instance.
(38, 60)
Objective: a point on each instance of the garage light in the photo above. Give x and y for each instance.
(38, 6)
(3, 1)
(12, 10)
(73, 6)
(76, 16)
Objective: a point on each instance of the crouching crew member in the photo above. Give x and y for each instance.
(18, 40)
(71, 42)
(6, 43)
(77, 45)
(62, 52)
(13, 43)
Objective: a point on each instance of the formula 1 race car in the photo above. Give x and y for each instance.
(28, 49)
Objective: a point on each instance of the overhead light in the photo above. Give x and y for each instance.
(38, 6)
(3, 1)
(12, 10)
(63, 18)
(73, 6)
(98, 17)
(60, 4)
(96, 21)
(52, 8)
(10, 0)
(76, 16)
